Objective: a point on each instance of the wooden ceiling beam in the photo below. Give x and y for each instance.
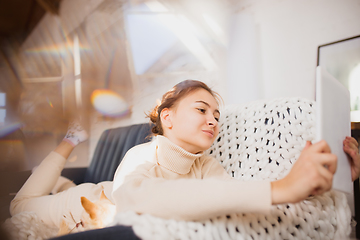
(51, 6)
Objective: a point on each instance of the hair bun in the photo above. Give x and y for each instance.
(153, 115)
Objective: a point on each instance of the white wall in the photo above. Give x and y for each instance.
(244, 69)
(278, 44)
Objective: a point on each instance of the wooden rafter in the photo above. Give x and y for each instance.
(51, 6)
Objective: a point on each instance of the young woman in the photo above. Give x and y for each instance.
(170, 177)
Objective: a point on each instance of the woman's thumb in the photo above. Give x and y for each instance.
(308, 144)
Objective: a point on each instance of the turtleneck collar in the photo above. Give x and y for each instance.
(173, 157)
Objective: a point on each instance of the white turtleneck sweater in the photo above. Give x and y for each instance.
(164, 180)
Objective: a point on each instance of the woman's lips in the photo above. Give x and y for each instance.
(209, 133)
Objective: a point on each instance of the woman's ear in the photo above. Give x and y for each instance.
(165, 117)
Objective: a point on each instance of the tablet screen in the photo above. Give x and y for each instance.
(333, 123)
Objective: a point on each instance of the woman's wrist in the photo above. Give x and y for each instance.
(275, 193)
(279, 193)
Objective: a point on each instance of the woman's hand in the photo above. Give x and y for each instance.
(351, 148)
(311, 174)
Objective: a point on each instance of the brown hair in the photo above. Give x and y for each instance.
(171, 97)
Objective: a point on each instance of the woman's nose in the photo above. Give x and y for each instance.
(212, 121)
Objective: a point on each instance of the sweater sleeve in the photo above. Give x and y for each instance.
(211, 168)
(189, 199)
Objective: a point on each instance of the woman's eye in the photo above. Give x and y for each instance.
(217, 119)
(202, 110)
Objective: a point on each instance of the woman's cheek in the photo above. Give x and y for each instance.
(216, 131)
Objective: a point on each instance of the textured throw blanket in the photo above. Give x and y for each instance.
(321, 217)
(27, 226)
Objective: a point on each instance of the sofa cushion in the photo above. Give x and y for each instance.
(111, 148)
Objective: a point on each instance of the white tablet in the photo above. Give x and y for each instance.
(333, 123)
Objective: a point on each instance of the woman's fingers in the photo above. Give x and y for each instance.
(308, 144)
(312, 173)
(353, 141)
(326, 177)
(320, 153)
(321, 147)
(321, 177)
(351, 151)
(317, 166)
(327, 161)
(351, 148)
(351, 144)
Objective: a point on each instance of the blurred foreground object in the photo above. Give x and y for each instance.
(13, 152)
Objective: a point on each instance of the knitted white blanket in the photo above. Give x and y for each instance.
(322, 217)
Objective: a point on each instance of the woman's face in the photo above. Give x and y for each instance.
(193, 121)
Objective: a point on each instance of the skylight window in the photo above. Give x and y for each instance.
(164, 40)
(150, 39)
